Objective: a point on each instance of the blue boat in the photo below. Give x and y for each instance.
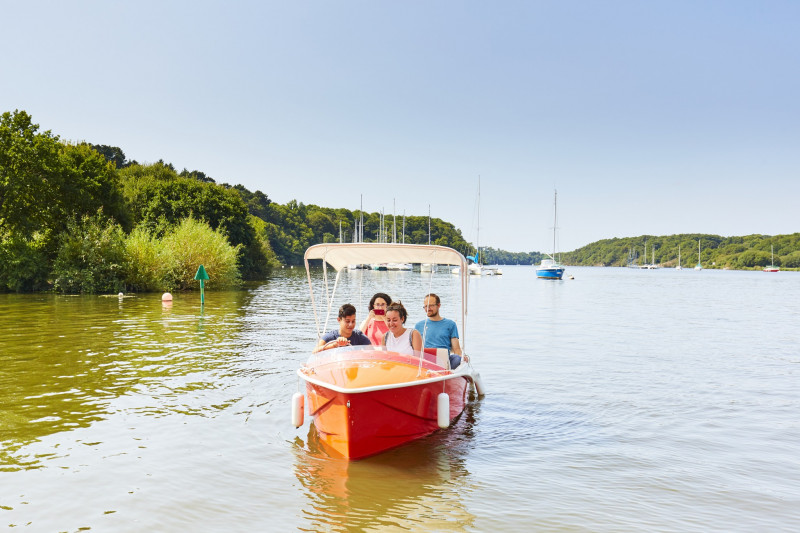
(550, 268)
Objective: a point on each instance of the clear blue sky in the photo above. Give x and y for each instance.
(648, 117)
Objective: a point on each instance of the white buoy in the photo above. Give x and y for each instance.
(166, 297)
(443, 409)
(298, 405)
(478, 383)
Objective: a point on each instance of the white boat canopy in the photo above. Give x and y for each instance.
(339, 255)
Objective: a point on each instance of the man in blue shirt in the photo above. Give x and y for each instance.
(346, 335)
(439, 332)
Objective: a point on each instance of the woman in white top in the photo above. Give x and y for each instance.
(399, 338)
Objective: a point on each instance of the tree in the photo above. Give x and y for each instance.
(159, 199)
(113, 154)
(29, 175)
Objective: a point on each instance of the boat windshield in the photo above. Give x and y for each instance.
(372, 353)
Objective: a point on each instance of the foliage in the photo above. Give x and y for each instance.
(146, 260)
(113, 154)
(262, 236)
(293, 227)
(29, 172)
(44, 184)
(192, 243)
(91, 257)
(24, 264)
(490, 256)
(741, 252)
(159, 198)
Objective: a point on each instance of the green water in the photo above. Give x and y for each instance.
(619, 401)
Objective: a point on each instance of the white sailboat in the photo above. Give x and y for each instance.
(474, 267)
(679, 267)
(550, 268)
(428, 267)
(772, 267)
(699, 265)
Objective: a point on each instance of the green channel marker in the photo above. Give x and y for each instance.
(202, 276)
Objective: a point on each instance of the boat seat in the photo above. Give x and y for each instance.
(439, 356)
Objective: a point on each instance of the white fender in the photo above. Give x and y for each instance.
(443, 409)
(298, 405)
(478, 383)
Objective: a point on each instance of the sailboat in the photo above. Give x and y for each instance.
(428, 267)
(699, 266)
(550, 268)
(679, 267)
(474, 267)
(771, 267)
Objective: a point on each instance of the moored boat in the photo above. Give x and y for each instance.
(364, 400)
(771, 267)
(699, 265)
(550, 268)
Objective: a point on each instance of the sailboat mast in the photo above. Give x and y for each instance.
(429, 224)
(478, 235)
(555, 220)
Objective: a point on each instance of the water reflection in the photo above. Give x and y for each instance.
(420, 485)
(65, 360)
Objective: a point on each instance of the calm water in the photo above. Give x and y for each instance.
(621, 400)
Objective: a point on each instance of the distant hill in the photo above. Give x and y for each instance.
(739, 253)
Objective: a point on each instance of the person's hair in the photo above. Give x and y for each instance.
(431, 295)
(347, 310)
(386, 298)
(401, 310)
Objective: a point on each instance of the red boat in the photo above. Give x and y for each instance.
(366, 399)
(771, 267)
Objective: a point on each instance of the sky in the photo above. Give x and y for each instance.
(649, 118)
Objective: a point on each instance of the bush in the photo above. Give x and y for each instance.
(24, 262)
(146, 261)
(91, 257)
(791, 260)
(193, 243)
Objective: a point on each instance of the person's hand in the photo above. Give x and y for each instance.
(342, 341)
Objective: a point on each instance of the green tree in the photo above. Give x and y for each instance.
(91, 257)
(24, 262)
(29, 176)
(159, 198)
(113, 154)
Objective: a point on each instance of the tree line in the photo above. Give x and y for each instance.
(737, 253)
(81, 217)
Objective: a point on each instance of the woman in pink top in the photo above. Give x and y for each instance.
(399, 338)
(374, 326)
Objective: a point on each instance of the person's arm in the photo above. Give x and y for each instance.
(416, 340)
(455, 347)
(367, 320)
(322, 345)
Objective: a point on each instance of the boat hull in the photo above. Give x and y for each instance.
(354, 425)
(550, 273)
